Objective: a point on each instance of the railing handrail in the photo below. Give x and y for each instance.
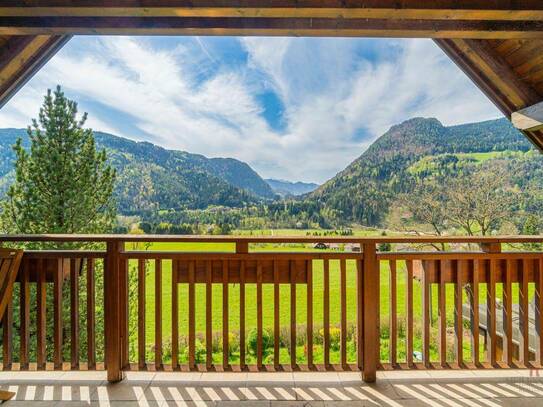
(406, 239)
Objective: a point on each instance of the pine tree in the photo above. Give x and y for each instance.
(63, 184)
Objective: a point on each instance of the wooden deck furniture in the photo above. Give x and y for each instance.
(9, 267)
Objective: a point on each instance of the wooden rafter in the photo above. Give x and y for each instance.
(375, 9)
(21, 57)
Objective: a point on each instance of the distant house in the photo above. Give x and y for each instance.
(355, 248)
(320, 246)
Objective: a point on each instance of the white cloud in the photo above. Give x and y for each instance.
(336, 97)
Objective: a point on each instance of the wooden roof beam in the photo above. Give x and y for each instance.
(338, 27)
(512, 10)
(529, 119)
(21, 57)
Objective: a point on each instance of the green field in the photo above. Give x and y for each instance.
(284, 306)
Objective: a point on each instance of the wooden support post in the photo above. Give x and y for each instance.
(113, 323)
(370, 289)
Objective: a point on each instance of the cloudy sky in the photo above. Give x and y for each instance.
(293, 108)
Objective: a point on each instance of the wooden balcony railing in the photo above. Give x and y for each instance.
(256, 303)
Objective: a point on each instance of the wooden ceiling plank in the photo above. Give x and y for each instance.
(271, 26)
(529, 118)
(391, 9)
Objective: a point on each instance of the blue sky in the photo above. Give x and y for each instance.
(293, 108)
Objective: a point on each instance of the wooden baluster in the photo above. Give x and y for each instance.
(326, 312)
(113, 314)
(225, 345)
(426, 317)
(158, 314)
(242, 364)
(473, 295)
(508, 313)
(393, 313)
(192, 317)
(309, 269)
(524, 349)
(343, 311)
(91, 316)
(141, 314)
(359, 315)
(293, 338)
(276, 315)
(259, 315)
(209, 316)
(24, 312)
(461, 269)
(7, 337)
(409, 312)
(74, 314)
(491, 311)
(442, 315)
(539, 311)
(371, 289)
(57, 314)
(175, 315)
(41, 319)
(123, 310)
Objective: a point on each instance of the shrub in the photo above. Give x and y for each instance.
(252, 339)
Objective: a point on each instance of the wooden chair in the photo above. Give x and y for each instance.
(10, 261)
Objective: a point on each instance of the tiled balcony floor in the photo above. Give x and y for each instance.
(489, 388)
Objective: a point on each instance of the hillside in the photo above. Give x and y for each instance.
(287, 188)
(152, 178)
(421, 147)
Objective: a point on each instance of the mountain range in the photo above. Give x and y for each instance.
(286, 188)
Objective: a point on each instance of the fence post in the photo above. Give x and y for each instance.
(113, 313)
(370, 287)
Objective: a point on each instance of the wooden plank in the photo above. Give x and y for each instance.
(74, 314)
(393, 311)
(426, 318)
(192, 319)
(343, 312)
(58, 315)
(409, 312)
(458, 311)
(508, 314)
(91, 315)
(359, 315)
(442, 316)
(371, 313)
(491, 312)
(474, 311)
(271, 26)
(242, 316)
(123, 310)
(259, 316)
(24, 312)
(309, 308)
(529, 118)
(225, 316)
(175, 317)
(276, 316)
(209, 316)
(524, 325)
(407, 9)
(41, 327)
(141, 314)
(158, 314)
(326, 312)
(293, 338)
(112, 305)
(539, 312)
(7, 337)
